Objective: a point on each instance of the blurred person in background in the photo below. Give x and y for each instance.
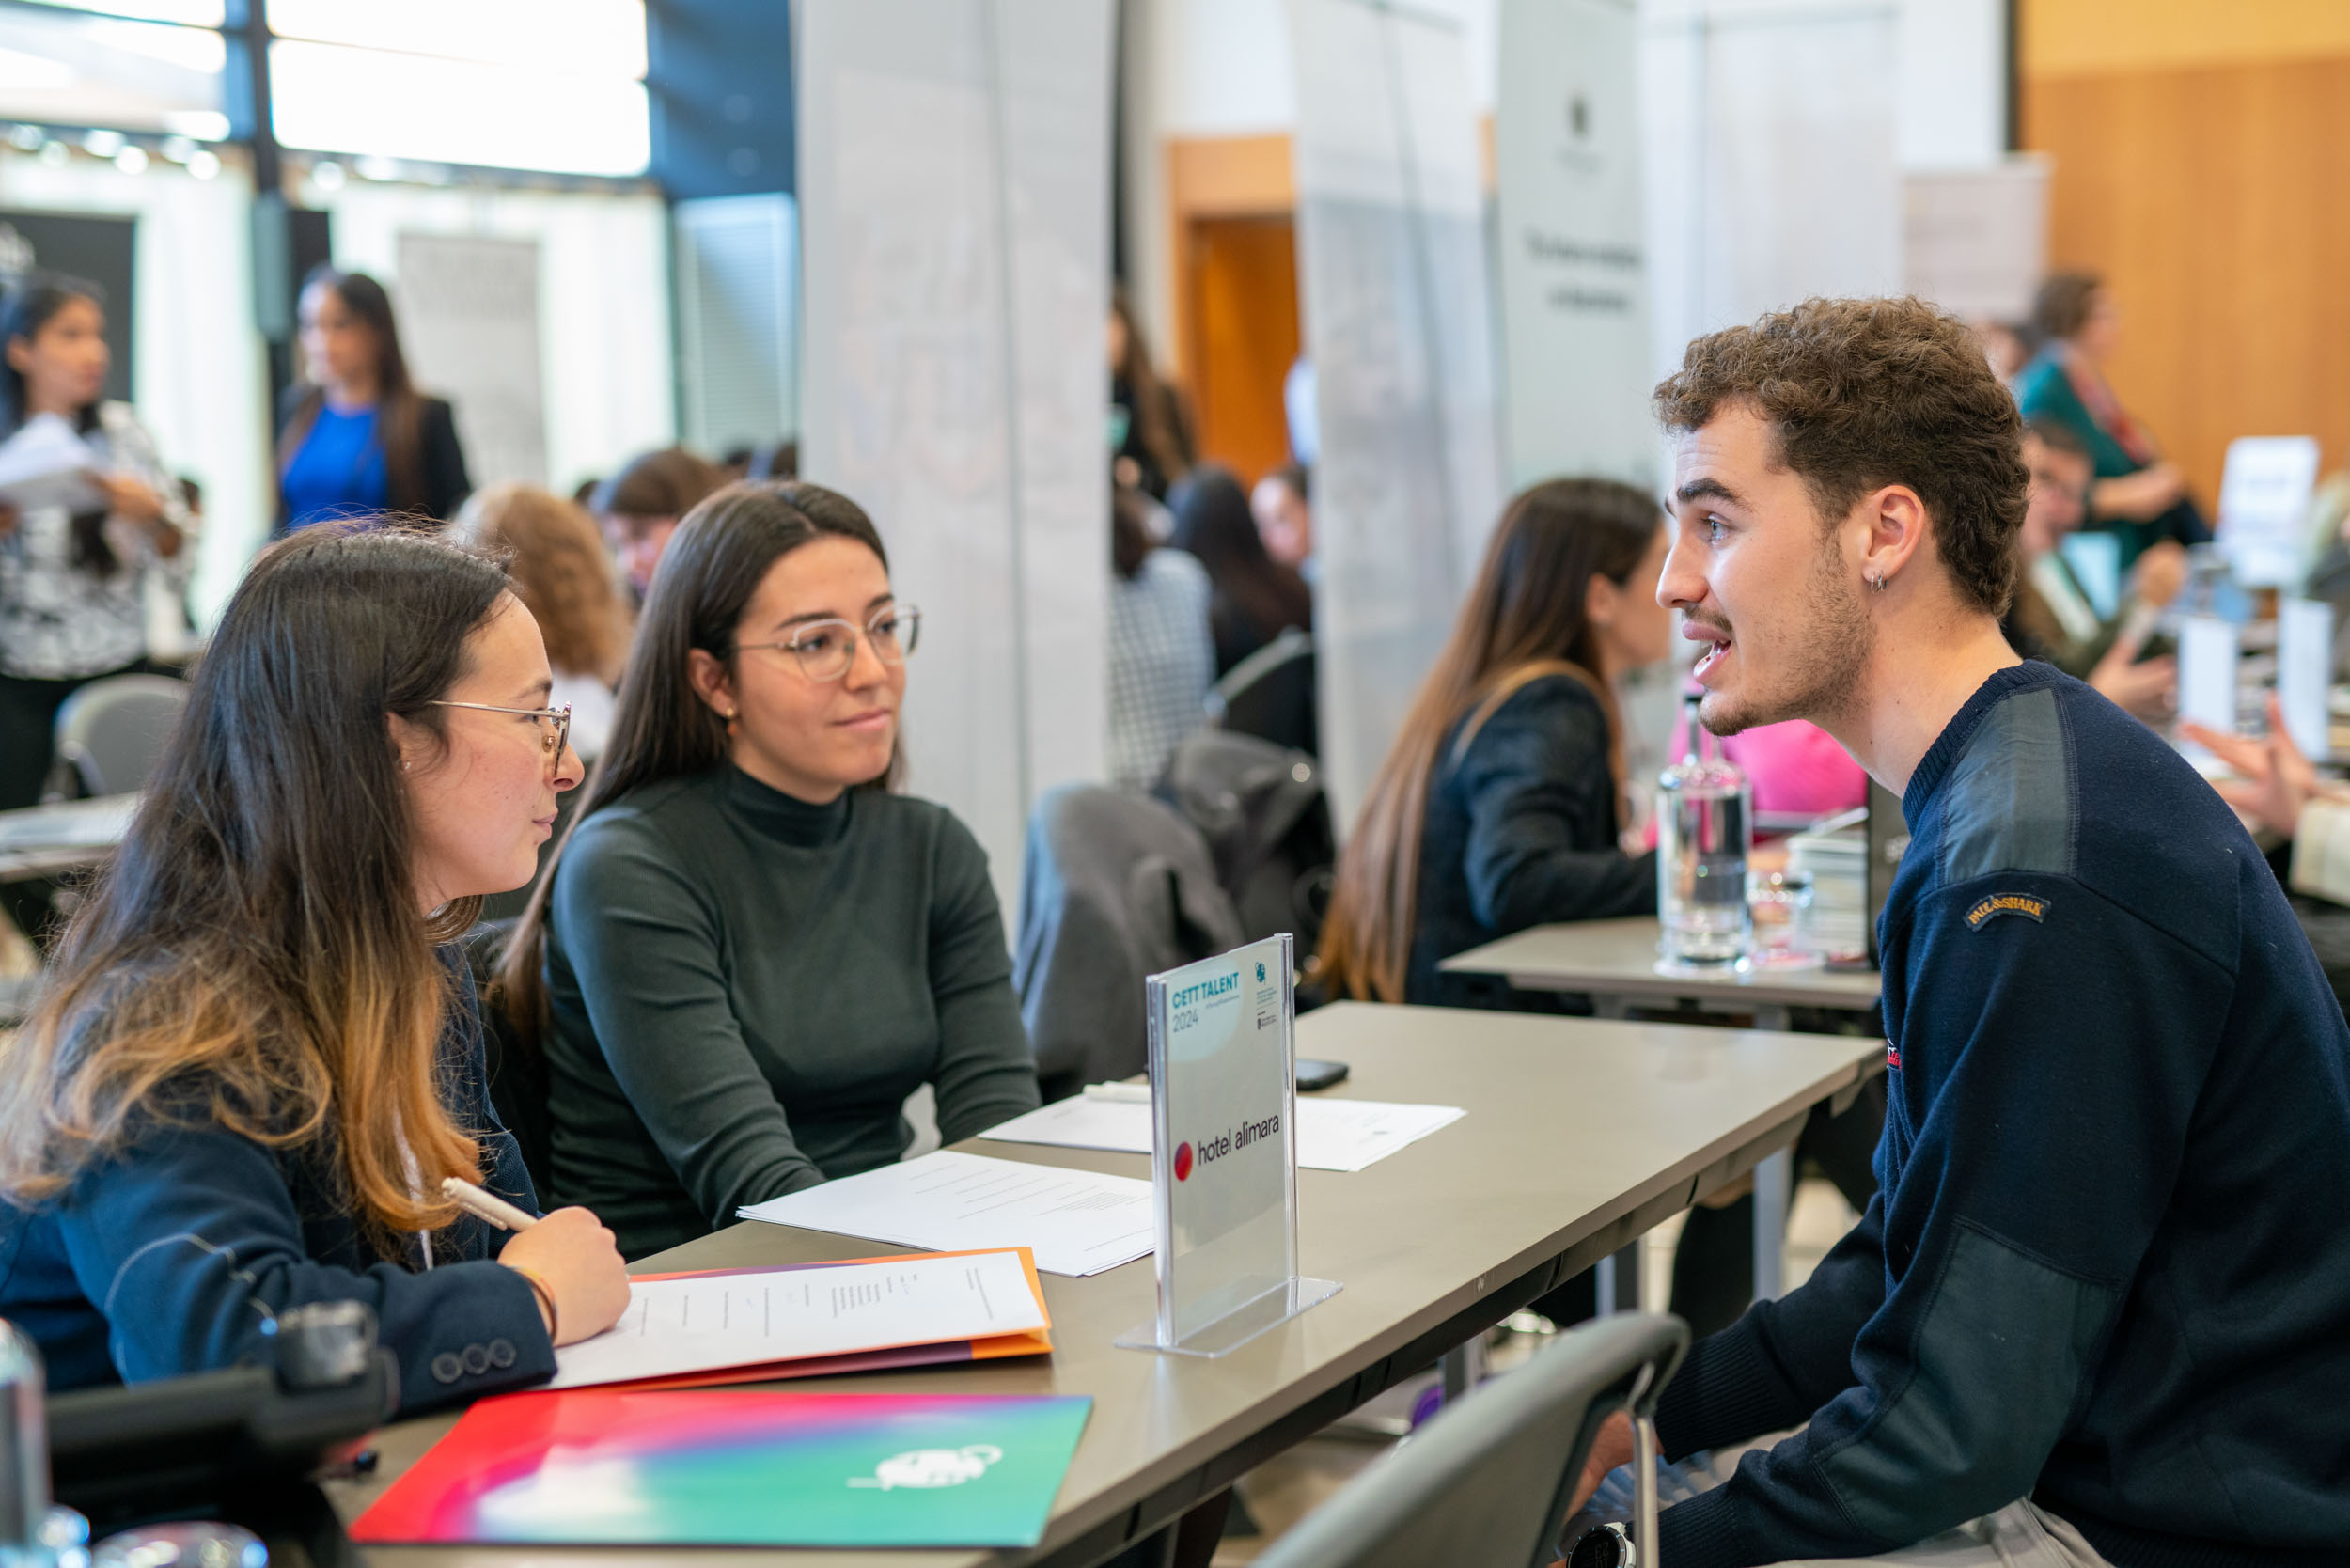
(565, 579)
(1150, 446)
(74, 569)
(1256, 598)
(1161, 654)
(356, 437)
(1282, 504)
(1501, 805)
(638, 508)
(2139, 495)
(2052, 618)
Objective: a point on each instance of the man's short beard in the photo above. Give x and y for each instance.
(1824, 667)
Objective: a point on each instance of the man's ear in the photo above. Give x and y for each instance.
(713, 683)
(1895, 524)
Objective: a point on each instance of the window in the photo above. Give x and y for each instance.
(59, 68)
(549, 84)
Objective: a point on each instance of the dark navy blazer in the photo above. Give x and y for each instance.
(170, 1256)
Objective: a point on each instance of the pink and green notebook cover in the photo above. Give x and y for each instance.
(738, 1467)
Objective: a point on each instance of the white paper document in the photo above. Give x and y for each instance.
(1332, 1135)
(1075, 1222)
(2207, 679)
(2305, 671)
(46, 464)
(751, 1317)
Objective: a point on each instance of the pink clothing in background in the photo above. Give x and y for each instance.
(1795, 767)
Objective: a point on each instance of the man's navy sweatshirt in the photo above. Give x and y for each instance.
(2109, 1265)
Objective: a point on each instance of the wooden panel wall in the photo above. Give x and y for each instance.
(2215, 201)
(1241, 279)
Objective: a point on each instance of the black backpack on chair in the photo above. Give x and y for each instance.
(1266, 821)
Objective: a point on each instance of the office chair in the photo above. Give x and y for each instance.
(111, 733)
(1487, 1482)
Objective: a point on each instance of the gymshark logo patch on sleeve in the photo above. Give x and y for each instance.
(2029, 904)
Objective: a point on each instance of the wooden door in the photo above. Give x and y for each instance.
(1239, 281)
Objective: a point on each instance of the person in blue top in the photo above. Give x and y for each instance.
(257, 1056)
(358, 438)
(2099, 1311)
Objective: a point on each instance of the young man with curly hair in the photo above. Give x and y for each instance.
(2100, 1311)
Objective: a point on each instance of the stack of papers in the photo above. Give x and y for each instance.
(813, 1318)
(1332, 1135)
(46, 464)
(1075, 1222)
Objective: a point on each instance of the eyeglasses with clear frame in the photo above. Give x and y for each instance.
(555, 725)
(827, 649)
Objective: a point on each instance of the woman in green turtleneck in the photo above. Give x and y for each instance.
(749, 952)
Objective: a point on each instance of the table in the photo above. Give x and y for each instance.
(1579, 1137)
(1615, 960)
(64, 835)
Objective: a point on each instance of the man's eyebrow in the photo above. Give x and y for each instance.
(1699, 489)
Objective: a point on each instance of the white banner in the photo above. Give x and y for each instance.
(1975, 241)
(469, 325)
(1772, 173)
(954, 183)
(1574, 326)
(1392, 276)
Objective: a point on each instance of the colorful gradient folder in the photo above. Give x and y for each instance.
(738, 1467)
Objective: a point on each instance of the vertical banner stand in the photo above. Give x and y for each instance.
(1224, 1152)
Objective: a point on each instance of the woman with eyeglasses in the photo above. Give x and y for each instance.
(749, 951)
(256, 1058)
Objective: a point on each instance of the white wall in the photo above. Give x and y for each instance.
(200, 374)
(607, 364)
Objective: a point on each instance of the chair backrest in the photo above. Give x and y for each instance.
(1487, 1482)
(112, 732)
(1270, 694)
(1115, 886)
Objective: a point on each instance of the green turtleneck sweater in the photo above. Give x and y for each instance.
(745, 988)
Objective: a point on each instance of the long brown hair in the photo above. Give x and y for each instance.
(1524, 618)
(1158, 421)
(661, 727)
(1213, 523)
(400, 407)
(560, 570)
(254, 957)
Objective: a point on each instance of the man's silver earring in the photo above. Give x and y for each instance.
(1877, 582)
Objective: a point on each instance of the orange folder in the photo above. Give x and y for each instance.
(937, 1353)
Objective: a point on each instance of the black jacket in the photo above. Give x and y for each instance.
(1520, 831)
(439, 487)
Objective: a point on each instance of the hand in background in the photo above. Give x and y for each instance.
(129, 499)
(2142, 496)
(1611, 1446)
(2160, 573)
(577, 1258)
(2146, 691)
(2273, 780)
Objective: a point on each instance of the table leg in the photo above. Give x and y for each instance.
(1617, 1280)
(1773, 1177)
(1464, 1368)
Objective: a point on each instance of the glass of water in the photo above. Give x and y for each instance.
(1780, 903)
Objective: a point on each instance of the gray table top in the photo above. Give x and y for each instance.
(63, 836)
(1579, 1136)
(1619, 958)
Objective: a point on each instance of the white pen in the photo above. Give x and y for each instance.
(1118, 1091)
(488, 1206)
